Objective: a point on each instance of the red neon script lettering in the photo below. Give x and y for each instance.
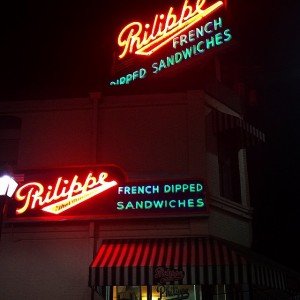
(144, 40)
(65, 193)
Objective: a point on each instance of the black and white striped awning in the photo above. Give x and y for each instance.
(201, 260)
(226, 123)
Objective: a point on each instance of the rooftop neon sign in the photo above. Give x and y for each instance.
(146, 49)
(146, 39)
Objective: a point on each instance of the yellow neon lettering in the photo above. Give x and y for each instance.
(135, 38)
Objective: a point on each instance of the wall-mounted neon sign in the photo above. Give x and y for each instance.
(185, 33)
(101, 192)
(65, 193)
(145, 39)
(163, 196)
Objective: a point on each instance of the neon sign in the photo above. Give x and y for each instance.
(100, 192)
(188, 33)
(145, 39)
(166, 196)
(66, 193)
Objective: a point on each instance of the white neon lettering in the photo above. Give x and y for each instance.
(65, 194)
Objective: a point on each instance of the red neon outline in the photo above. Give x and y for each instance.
(72, 191)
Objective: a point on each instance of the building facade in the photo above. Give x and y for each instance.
(190, 240)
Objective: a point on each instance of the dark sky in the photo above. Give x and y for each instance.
(56, 49)
(276, 164)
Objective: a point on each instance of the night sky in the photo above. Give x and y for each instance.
(56, 49)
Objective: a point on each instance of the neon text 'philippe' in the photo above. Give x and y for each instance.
(65, 193)
(145, 39)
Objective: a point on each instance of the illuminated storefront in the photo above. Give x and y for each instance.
(129, 228)
(139, 196)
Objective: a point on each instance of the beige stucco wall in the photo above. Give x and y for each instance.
(45, 263)
(150, 137)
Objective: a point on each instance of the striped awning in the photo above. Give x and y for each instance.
(201, 260)
(267, 276)
(247, 133)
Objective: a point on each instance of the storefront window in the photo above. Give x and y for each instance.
(165, 292)
(130, 293)
(158, 292)
(230, 186)
(179, 292)
(220, 292)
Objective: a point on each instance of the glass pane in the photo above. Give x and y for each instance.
(144, 293)
(127, 293)
(169, 292)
